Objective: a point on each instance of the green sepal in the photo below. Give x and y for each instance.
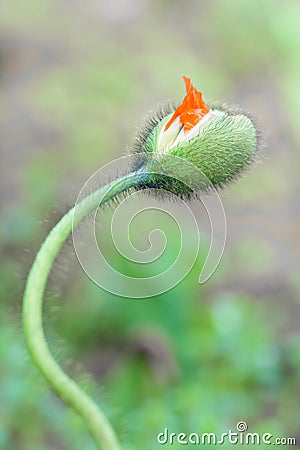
(225, 146)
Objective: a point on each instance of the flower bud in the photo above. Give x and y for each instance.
(219, 142)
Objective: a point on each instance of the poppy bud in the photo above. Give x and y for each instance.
(220, 142)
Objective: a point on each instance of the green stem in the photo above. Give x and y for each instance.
(38, 349)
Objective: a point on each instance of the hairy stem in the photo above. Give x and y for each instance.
(38, 349)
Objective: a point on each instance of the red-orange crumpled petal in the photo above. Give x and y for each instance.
(192, 109)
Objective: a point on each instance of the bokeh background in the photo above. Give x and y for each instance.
(76, 78)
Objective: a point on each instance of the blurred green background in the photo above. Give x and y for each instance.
(76, 78)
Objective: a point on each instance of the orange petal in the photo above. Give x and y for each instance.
(191, 110)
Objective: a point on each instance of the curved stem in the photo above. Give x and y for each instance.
(64, 386)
